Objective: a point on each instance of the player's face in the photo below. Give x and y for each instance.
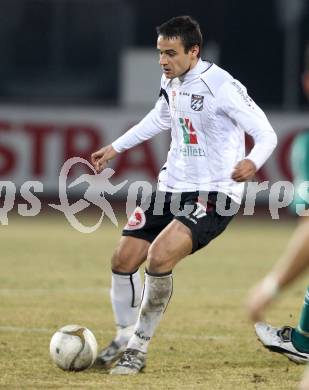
(173, 59)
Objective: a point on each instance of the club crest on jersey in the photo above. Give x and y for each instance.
(137, 220)
(197, 102)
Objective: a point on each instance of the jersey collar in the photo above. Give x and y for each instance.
(200, 67)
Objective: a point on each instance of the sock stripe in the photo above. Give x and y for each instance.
(170, 295)
(158, 275)
(133, 291)
(143, 292)
(124, 273)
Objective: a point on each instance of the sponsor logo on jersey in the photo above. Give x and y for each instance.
(246, 98)
(197, 102)
(188, 131)
(137, 220)
(191, 151)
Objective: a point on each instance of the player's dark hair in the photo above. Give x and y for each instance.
(184, 27)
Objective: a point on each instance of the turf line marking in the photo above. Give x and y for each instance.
(19, 329)
(40, 291)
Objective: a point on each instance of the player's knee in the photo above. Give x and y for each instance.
(128, 256)
(157, 262)
(120, 263)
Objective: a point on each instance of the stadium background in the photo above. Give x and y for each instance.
(75, 74)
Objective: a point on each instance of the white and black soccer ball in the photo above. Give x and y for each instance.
(73, 348)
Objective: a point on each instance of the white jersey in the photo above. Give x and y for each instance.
(207, 111)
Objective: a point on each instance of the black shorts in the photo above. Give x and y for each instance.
(198, 213)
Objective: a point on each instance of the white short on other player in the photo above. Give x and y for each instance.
(73, 348)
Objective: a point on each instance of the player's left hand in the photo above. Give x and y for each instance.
(244, 170)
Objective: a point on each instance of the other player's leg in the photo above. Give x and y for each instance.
(291, 342)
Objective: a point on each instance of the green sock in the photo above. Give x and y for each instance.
(300, 335)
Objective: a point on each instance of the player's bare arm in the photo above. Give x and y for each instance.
(292, 263)
(244, 170)
(260, 296)
(101, 157)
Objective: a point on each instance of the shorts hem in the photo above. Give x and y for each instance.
(137, 234)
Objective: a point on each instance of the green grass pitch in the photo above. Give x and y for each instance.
(52, 275)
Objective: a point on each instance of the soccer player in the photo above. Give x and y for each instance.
(207, 112)
(291, 342)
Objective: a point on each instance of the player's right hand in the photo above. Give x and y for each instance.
(100, 158)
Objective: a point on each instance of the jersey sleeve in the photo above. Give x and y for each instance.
(234, 101)
(156, 121)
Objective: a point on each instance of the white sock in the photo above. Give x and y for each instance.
(125, 296)
(157, 293)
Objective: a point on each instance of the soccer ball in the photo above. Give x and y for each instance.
(73, 348)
